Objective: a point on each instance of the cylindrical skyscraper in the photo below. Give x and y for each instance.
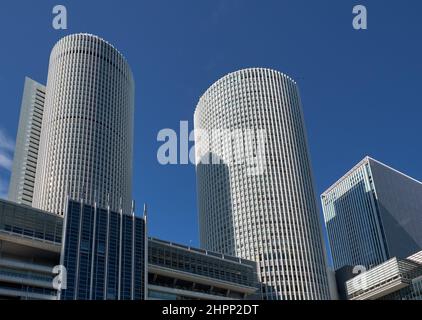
(259, 203)
(86, 141)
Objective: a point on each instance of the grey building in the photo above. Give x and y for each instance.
(372, 214)
(22, 180)
(104, 253)
(258, 202)
(179, 272)
(395, 279)
(30, 244)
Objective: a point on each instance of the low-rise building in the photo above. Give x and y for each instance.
(30, 244)
(178, 272)
(395, 279)
(103, 255)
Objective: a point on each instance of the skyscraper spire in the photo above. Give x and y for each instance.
(145, 210)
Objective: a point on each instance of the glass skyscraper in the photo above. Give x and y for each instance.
(372, 214)
(104, 253)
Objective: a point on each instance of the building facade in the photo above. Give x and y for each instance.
(22, 180)
(258, 201)
(395, 279)
(30, 242)
(86, 142)
(178, 272)
(104, 253)
(372, 214)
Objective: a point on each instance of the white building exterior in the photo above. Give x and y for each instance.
(259, 203)
(87, 132)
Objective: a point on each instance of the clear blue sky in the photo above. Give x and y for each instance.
(361, 90)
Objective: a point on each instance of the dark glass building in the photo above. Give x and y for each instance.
(104, 254)
(373, 214)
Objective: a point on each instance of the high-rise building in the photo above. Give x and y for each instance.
(104, 253)
(22, 180)
(371, 214)
(86, 141)
(256, 196)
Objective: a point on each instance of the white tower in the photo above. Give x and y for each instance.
(87, 132)
(271, 215)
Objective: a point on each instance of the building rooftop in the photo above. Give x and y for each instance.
(385, 278)
(362, 162)
(204, 252)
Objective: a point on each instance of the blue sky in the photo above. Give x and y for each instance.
(361, 90)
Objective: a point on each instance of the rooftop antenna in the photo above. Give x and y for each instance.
(145, 210)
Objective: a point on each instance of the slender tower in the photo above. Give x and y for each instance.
(87, 130)
(22, 180)
(255, 187)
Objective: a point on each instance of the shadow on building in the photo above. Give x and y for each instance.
(215, 205)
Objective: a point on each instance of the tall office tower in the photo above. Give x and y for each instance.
(256, 196)
(21, 187)
(87, 132)
(372, 214)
